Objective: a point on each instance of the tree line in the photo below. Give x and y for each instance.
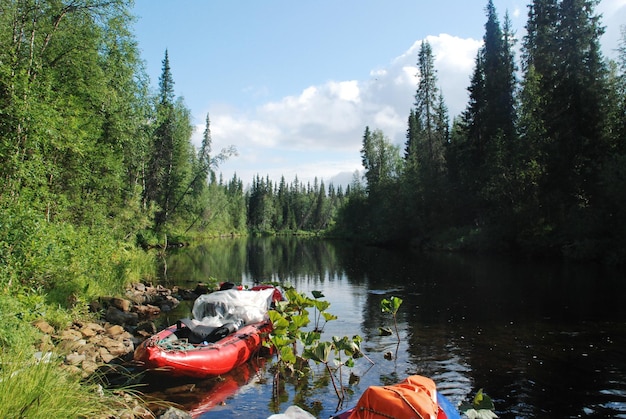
(294, 207)
(535, 162)
(85, 142)
(93, 162)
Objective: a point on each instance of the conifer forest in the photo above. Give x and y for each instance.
(96, 164)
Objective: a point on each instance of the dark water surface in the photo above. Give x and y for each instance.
(542, 339)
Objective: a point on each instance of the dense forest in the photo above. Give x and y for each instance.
(95, 164)
(536, 163)
(93, 160)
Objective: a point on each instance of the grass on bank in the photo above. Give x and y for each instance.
(32, 388)
(51, 270)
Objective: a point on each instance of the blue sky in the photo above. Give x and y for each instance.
(292, 84)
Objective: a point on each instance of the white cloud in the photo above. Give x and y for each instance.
(454, 61)
(320, 129)
(345, 90)
(613, 17)
(239, 129)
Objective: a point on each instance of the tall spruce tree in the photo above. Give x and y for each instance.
(430, 135)
(487, 128)
(499, 76)
(472, 122)
(170, 166)
(427, 137)
(562, 58)
(411, 161)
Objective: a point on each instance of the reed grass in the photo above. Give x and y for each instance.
(32, 388)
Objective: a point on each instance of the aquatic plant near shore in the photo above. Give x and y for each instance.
(482, 407)
(295, 347)
(392, 305)
(320, 307)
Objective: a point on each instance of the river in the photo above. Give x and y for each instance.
(543, 339)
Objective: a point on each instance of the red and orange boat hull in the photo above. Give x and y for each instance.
(201, 361)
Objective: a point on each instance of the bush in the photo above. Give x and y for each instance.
(70, 264)
(50, 270)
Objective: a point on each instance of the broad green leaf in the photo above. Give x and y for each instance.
(317, 294)
(279, 323)
(328, 317)
(297, 299)
(298, 321)
(390, 305)
(396, 303)
(281, 341)
(385, 305)
(287, 355)
(484, 402)
(321, 305)
(308, 338)
(478, 397)
(318, 353)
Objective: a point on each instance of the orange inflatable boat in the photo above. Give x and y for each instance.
(414, 398)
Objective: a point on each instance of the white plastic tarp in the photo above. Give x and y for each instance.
(232, 306)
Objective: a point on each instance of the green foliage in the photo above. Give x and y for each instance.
(569, 147)
(375, 213)
(71, 264)
(392, 305)
(482, 407)
(291, 208)
(381, 160)
(528, 166)
(41, 389)
(423, 181)
(288, 338)
(17, 312)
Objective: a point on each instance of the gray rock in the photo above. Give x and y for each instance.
(173, 413)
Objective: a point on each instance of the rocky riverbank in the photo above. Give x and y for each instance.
(107, 344)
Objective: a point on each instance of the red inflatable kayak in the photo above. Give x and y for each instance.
(166, 353)
(227, 329)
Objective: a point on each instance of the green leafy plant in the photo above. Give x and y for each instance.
(321, 351)
(288, 318)
(481, 407)
(392, 305)
(288, 337)
(320, 307)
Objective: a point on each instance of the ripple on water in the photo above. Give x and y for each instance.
(453, 379)
(615, 406)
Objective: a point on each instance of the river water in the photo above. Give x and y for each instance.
(542, 339)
